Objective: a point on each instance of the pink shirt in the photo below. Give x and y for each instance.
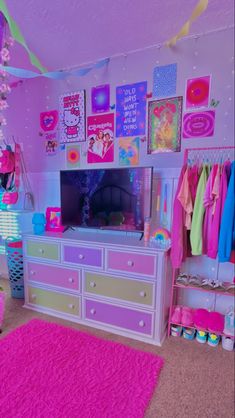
(185, 199)
(178, 234)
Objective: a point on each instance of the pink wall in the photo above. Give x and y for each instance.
(209, 54)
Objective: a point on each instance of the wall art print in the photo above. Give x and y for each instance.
(72, 156)
(164, 80)
(49, 120)
(129, 151)
(100, 134)
(131, 109)
(72, 117)
(164, 125)
(199, 124)
(100, 99)
(197, 92)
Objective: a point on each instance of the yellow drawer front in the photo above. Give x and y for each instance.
(57, 301)
(43, 250)
(130, 290)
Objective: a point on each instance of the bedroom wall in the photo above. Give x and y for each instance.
(209, 54)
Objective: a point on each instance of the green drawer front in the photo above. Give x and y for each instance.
(57, 301)
(42, 250)
(130, 290)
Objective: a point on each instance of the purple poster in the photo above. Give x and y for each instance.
(131, 109)
(100, 99)
(199, 124)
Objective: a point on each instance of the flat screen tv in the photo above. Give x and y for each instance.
(106, 198)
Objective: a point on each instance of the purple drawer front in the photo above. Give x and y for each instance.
(82, 255)
(119, 316)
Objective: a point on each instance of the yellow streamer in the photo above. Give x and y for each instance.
(184, 31)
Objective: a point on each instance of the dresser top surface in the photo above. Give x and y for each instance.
(110, 239)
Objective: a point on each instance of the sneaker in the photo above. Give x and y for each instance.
(176, 315)
(229, 322)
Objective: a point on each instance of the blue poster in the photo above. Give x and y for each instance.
(131, 109)
(164, 80)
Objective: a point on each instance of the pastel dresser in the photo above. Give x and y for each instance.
(112, 282)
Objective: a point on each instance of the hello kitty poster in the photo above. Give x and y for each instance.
(72, 117)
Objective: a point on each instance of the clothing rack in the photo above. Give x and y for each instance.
(227, 151)
(213, 154)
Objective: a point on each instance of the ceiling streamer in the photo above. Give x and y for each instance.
(17, 35)
(184, 31)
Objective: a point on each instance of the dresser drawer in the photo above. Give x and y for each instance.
(135, 291)
(55, 276)
(84, 256)
(136, 263)
(58, 301)
(43, 250)
(130, 319)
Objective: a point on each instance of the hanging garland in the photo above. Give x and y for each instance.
(4, 81)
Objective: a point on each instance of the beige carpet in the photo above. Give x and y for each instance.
(196, 381)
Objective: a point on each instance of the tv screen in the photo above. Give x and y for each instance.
(106, 198)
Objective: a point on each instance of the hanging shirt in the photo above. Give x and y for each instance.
(212, 249)
(198, 214)
(193, 178)
(226, 236)
(178, 234)
(185, 198)
(208, 202)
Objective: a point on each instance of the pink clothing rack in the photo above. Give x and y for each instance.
(188, 150)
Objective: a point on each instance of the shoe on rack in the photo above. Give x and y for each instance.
(176, 315)
(187, 316)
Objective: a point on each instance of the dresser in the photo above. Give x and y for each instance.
(112, 282)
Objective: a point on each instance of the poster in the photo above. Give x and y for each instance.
(72, 156)
(131, 109)
(49, 125)
(199, 124)
(129, 151)
(197, 92)
(72, 117)
(100, 99)
(164, 125)
(164, 80)
(100, 134)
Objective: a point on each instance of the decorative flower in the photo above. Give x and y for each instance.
(2, 120)
(1, 135)
(4, 88)
(9, 42)
(3, 104)
(3, 73)
(5, 54)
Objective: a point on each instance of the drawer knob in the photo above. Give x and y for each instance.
(70, 306)
(71, 280)
(41, 250)
(142, 324)
(32, 272)
(130, 263)
(92, 311)
(92, 284)
(142, 293)
(34, 296)
(81, 256)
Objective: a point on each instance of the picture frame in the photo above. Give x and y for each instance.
(164, 125)
(53, 219)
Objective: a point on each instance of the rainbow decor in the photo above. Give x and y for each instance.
(161, 234)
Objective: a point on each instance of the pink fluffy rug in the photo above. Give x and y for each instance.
(50, 371)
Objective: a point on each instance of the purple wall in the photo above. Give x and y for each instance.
(210, 54)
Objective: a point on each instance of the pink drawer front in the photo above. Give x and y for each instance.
(132, 262)
(83, 255)
(119, 316)
(55, 276)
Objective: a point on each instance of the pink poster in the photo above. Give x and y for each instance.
(199, 124)
(197, 92)
(100, 130)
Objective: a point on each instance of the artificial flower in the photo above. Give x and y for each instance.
(3, 104)
(5, 54)
(4, 88)
(9, 41)
(2, 120)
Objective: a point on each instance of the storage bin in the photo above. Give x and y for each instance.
(14, 254)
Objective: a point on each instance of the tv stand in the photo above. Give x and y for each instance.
(104, 280)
